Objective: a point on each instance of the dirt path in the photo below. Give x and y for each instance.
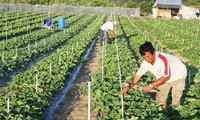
(74, 106)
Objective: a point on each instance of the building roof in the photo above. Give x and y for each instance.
(168, 3)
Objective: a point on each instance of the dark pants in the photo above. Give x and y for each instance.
(105, 35)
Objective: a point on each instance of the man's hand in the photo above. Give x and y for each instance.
(112, 33)
(125, 84)
(113, 36)
(146, 88)
(124, 91)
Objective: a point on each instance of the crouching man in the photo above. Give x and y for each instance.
(169, 71)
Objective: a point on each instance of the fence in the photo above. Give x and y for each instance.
(70, 9)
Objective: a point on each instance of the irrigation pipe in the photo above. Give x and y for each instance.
(89, 91)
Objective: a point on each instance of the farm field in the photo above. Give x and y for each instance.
(37, 62)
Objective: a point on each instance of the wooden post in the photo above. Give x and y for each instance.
(35, 44)
(8, 104)
(2, 57)
(189, 77)
(89, 89)
(44, 42)
(36, 85)
(59, 60)
(50, 68)
(29, 48)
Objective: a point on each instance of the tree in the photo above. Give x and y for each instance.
(130, 4)
(192, 3)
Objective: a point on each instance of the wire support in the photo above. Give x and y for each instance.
(120, 75)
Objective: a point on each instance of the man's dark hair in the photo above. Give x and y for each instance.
(146, 47)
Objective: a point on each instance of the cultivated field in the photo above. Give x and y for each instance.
(36, 63)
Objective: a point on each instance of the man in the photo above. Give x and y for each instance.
(169, 71)
(108, 26)
(48, 23)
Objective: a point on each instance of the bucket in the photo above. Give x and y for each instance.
(61, 22)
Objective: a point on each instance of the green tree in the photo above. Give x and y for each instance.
(104, 3)
(150, 6)
(144, 7)
(193, 3)
(130, 4)
(46, 2)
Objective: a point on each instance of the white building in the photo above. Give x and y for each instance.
(189, 12)
(173, 8)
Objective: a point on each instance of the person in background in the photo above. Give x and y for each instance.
(169, 71)
(48, 23)
(108, 26)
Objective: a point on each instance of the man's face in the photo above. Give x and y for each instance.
(150, 58)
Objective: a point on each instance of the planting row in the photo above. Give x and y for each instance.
(29, 92)
(180, 35)
(19, 57)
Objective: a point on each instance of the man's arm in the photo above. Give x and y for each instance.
(157, 83)
(160, 81)
(133, 81)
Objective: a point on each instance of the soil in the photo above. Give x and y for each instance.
(74, 105)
